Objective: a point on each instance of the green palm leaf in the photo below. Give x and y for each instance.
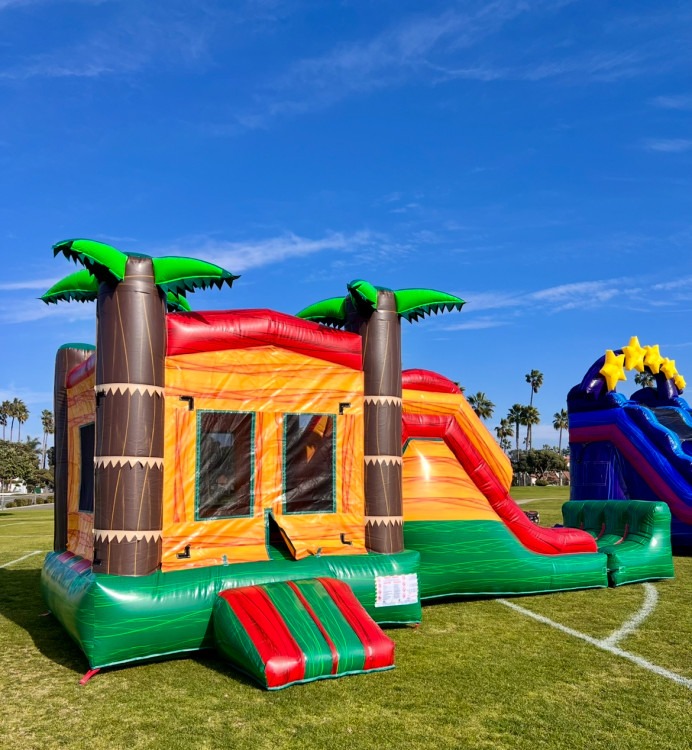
(81, 286)
(177, 303)
(182, 275)
(330, 312)
(363, 294)
(412, 304)
(105, 262)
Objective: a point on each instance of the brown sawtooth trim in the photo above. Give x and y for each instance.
(65, 360)
(137, 558)
(381, 334)
(383, 489)
(130, 424)
(131, 344)
(384, 537)
(132, 493)
(382, 429)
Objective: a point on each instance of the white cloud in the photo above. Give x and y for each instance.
(38, 284)
(30, 310)
(478, 324)
(241, 256)
(669, 145)
(680, 101)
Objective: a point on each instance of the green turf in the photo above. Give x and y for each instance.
(475, 674)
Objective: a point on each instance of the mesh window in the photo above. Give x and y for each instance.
(309, 463)
(86, 480)
(225, 464)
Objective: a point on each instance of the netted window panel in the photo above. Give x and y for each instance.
(225, 464)
(309, 447)
(87, 434)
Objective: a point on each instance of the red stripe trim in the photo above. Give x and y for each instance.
(283, 659)
(320, 626)
(81, 371)
(217, 330)
(624, 536)
(378, 648)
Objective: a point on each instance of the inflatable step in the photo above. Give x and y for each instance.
(288, 632)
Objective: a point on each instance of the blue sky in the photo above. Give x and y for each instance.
(532, 157)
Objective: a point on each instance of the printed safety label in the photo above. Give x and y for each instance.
(395, 590)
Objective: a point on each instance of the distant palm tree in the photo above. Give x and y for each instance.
(48, 429)
(4, 415)
(530, 417)
(481, 405)
(560, 422)
(16, 410)
(22, 414)
(535, 379)
(645, 379)
(504, 431)
(515, 416)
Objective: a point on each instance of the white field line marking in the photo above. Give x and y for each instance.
(523, 502)
(19, 559)
(14, 523)
(650, 602)
(684, 681)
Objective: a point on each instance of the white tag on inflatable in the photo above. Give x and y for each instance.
(395, 590)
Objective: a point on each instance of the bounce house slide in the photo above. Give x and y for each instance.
(630, 450)
(458, 512)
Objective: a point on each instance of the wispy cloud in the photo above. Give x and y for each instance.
(669, 145)
(127, 42)
(679, 101)
(583, 294)
(477, 324)
(241, 256)
(31, 310)
(38, 284)
(459, 44)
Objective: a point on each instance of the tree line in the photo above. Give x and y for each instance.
(518, 416)
(25, 460)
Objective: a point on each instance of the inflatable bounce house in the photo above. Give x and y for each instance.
(637, 447)
(271, 486)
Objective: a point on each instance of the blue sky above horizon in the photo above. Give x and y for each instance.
(532, 157)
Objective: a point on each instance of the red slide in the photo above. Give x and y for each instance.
(446, 427)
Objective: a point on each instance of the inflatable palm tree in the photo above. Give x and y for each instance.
(375, 313)
(132, 292)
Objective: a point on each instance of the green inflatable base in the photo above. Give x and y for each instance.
(119, 619)
(634, 534)
(483, 558)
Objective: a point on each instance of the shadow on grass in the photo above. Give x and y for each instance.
(22, 604)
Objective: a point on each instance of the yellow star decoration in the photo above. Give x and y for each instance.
(613, 369)
(653, 359)
(679, 382)
(634, 355)
(668, 368)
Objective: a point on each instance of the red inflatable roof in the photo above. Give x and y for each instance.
(217, 330)
(426, 380)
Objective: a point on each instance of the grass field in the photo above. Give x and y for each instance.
(476, 674)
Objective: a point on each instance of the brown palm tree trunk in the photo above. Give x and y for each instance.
(381, 334)
(128, 486)
(67, 358)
